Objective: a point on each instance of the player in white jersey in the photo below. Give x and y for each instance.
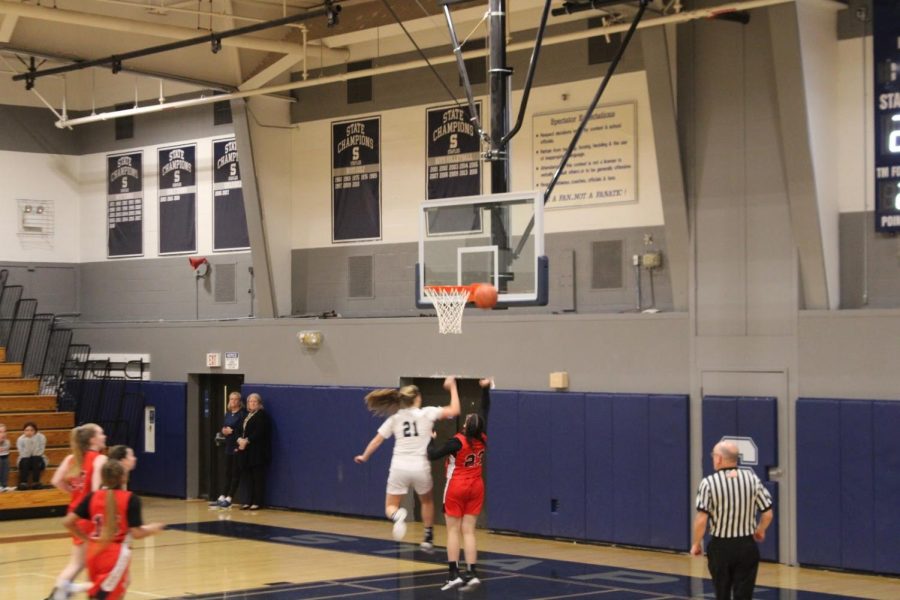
(412, 425)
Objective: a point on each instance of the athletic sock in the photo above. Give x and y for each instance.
(453, 566)
(429, 534)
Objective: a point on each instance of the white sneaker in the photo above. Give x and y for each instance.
(399, 519)
(452, 584)
(217, 501)
(426, 546)
(471, 584)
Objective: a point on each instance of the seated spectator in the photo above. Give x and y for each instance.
(32, 462)
(4, 459)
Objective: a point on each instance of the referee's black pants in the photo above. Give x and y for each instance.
(733, 563)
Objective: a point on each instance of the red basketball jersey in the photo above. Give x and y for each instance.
(466, 464)
(97, 511)
(81, 483)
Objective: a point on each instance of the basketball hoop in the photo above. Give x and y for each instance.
(449, 302)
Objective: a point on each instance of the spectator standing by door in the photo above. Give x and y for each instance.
(255, 449)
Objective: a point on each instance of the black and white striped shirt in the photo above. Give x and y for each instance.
(731, 497)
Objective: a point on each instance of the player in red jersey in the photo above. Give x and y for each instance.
(116, 516)
(463, 497)
(78, 475)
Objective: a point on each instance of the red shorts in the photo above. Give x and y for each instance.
(86, 527)
(464, 497)
(108, 570)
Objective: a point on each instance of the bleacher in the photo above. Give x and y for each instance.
(35, 350)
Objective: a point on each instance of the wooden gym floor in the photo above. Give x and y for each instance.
(280, 555)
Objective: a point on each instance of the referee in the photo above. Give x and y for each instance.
(728, 499)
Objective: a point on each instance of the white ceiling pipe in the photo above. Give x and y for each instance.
(69, 17)
(683, 17)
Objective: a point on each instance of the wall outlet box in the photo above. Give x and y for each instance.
(651, 260)
(213, 359)
(559, 380)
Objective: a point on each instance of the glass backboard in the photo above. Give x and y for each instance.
(496, 239)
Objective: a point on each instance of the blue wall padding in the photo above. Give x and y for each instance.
(505, 475)
(163, 472)
(320, 430)
(670, 499)
(848, 483)
(535, 414)
(818, 482)
(746, 416)
(886, 466)
(598, 451)
(631, 470)
(758, 418)
(719, 418)
(567, 456)
(768, 550)
(857, 524)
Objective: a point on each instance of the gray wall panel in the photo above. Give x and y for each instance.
(600, 352)
(164, 288)
(870, 265)
(53, 285)
(320, 277)
(29, 129)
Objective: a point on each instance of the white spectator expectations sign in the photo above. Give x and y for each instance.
(232, 361)
(603, 166)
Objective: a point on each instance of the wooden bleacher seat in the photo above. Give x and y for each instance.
(20, 403)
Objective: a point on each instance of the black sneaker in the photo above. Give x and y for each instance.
(452, 584)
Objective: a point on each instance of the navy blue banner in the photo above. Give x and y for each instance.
(356, 180)
(124, 205)
(886, 48)
(177, 200)
(454, 153)
(229, 215)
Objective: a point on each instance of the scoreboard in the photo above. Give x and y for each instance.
(886, 47)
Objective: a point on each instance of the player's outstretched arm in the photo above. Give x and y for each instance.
(146, 530)
(451, 410)
(370, 449)
(59, 477)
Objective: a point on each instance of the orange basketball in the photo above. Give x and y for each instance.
(485, 296)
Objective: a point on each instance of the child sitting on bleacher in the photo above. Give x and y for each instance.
(32, 462)
(4, 459)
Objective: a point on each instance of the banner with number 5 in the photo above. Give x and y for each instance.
(229, 216)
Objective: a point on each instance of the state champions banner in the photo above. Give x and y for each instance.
(356, 180)
(124, 205)
(886, 53)
(229, 215)
(177, 199)
(454, 152)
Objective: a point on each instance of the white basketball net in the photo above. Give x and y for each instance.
(449, 304)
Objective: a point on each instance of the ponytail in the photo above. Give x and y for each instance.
(474, 427)
(387, 401)
(79, 443)
(113, 476)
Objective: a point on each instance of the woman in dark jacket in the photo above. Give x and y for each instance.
(255, 449)
(232, 430)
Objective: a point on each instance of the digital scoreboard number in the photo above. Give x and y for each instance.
(886, 45)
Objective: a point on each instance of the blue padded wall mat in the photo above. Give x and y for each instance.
(669, 474)
(598, 450)
(505, 471)
(567, 457)
(886, 460)
(818, 443)
(163, 472)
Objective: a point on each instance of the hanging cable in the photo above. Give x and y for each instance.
(422, 54)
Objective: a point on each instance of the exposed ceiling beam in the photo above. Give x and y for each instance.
(69, 17)
(269, 73)
(703, 13)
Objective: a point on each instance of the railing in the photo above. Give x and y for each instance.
(98, 391)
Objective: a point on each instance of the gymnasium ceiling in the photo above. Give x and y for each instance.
(52, 33)
(58, 32)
